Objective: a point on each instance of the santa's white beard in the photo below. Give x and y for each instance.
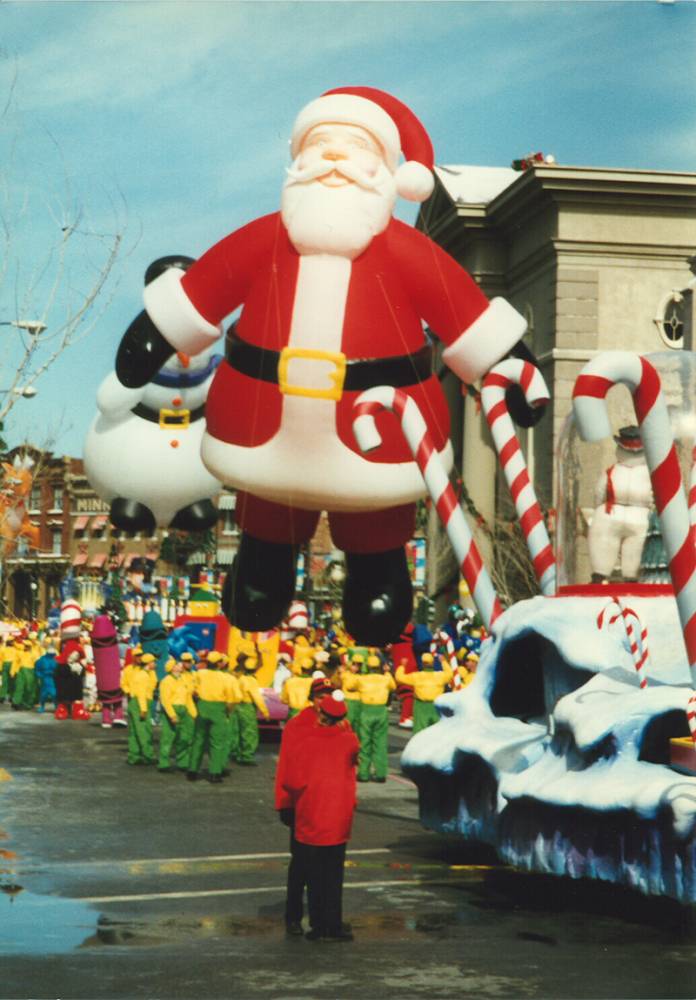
(336, 220)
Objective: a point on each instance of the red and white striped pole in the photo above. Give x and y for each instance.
(635, 372)
(495, 384)
(383, 397)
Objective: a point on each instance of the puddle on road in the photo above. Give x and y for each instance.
(41, 925)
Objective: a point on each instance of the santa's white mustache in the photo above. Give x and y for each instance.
(343, 167)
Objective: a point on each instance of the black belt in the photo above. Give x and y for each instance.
(399, 371)
(169, 418)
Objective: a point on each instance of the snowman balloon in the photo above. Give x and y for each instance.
(142, 452)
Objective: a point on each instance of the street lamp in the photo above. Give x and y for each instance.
(27, 391)
(32, 326)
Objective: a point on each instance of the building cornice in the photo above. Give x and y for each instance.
(547, 185)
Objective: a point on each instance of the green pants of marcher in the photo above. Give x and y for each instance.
(248, 731)
(232, 735)
(353, 706)
(24, 695)
(5, 681)
(424, 714)
(140, 749)
(176, 739)
(374, 730)
(209, 734)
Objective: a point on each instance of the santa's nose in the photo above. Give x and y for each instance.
(184, 359)
(334, 155)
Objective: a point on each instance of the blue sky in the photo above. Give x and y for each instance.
(170, 121)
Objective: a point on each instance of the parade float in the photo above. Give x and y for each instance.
(572, 750)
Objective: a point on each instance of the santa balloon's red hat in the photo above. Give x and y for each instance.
(391, 122)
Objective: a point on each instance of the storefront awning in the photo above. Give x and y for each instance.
(98, 560)
(99, 522)
(80, 523)
(80, 559)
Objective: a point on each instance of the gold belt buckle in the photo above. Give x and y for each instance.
(337, 377)
(178, 419)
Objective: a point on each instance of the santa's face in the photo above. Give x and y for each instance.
(339, 193)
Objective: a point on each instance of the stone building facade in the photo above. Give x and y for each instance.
(594, 258)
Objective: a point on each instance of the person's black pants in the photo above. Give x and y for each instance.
(323, 867)
(297, 880)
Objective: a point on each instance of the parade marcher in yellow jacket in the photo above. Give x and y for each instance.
(141, 681)
(252, 700)
(127, 671)
(374, 689)
(8, 651)
(351, 695)
(178, 714)
(428, 684)
(214, 693)
(232, 737)
(25, 692)
(295, 693)
(467, 668)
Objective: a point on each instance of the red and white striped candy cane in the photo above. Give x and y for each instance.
(384, 397)
(446, 640)
(637, 640)
(635, 372)
(691, 715)
(495, 384)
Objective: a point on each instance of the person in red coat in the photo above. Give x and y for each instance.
(335, 295)
(318, 782)
(293, 730)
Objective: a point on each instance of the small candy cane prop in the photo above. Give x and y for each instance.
(691, 716)
(638, 646)
(445, 639)
(497, 381)
(635, 372)
(414, 429)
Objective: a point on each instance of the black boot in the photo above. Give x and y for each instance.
(198, 516)
(261, 584)
(377, 596)
(131, 515)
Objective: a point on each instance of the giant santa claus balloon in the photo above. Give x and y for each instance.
(334, 294)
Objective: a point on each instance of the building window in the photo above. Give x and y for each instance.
(670, 320)
(35, 499)
(22, 546)
(57, 542)
(57, 498)
(228, 525)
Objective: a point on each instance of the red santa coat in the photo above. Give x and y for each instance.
(258, 437)
(319, 781)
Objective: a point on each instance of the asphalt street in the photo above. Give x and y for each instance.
(121, 882)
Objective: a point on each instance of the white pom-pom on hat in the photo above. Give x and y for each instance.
(389, 120)
(414, 181)
(338, 696)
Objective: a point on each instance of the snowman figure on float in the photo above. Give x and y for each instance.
(142, 452)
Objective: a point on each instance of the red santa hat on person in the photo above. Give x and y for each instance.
(392, 123)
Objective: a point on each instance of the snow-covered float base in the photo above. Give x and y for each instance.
(555, 756)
